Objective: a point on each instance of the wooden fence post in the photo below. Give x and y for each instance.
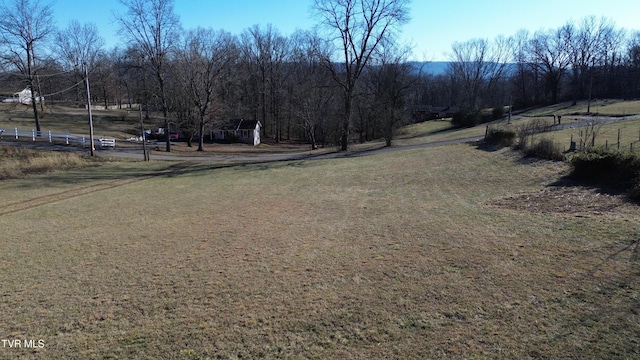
(581, 140)
(572, 144)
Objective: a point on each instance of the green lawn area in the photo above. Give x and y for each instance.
(443, 252)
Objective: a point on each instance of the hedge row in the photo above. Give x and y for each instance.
(610, 168)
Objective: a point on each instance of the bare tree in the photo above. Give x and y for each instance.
(611, 62)
(205, 56)
(356, 28)
(476, 66)
(391, 81)
(524, 79)
(76, 46)
(153, 27)
(104, 80)
(586, 44)
(632, 61)
(264, 52)
(25, 25)
(551, 58)
(313, 90)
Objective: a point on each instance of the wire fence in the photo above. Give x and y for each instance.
(622, 139)
(58, 138)
(622, 134)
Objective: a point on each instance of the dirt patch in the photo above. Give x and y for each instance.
(565, 199)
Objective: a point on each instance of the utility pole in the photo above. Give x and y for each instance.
(510, 107)
(145, 152)
(144, 137)
(86, 79)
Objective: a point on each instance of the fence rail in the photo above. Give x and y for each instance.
(68, 139)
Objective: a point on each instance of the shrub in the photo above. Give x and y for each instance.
(528, 130)
(501, 137)
(544, 149)
(607, 167)
(466, 119)
(497, 112)
(634, 192)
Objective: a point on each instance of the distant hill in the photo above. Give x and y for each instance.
(431, 68)
(440, 67)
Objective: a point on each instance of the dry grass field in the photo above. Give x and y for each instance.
(443, 252)
(18, 162)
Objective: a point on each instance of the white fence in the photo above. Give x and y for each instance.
(68, 139)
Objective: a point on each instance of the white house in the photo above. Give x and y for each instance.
(246, 131)
(24, 97)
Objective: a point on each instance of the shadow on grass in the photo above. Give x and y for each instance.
(568, 181)
(489, 147)
(445, 130)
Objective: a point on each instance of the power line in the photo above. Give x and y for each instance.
(65, 90)
(40, 75)
(55, 74)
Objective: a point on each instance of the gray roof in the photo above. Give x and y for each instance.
(242, 124)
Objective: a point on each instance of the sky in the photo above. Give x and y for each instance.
(434, 26)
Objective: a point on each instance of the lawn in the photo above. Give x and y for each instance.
(599, 107)
(623, 134)
(121, 124)
(443, 252)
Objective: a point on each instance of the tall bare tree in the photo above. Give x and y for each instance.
(523, 79)
(551, 58)
(632, 62)
(587, 43)
(205, 56)
(313, 90)
(477, 65)
(356, 28)
(264, 51)
(25, 26)
(391, 81)
(76, 46)
(153, 27)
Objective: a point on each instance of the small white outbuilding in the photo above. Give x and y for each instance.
(24, 97)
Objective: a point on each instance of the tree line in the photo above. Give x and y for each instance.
(584, 60)
(346, 80)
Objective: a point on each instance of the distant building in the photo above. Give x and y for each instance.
(24, 97)
(428, 112)
(246, 131)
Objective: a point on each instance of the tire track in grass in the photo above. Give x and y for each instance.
(64, 195)
(80, 191)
